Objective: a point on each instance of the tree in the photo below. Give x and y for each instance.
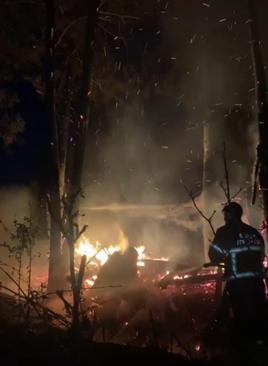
(72, 154)
(56, 271)
(261, 107)
(64, 86)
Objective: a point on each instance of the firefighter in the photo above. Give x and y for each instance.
(240, 248)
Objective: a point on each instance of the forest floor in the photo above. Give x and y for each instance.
(23, 345)
(18, 348)
(179, 332)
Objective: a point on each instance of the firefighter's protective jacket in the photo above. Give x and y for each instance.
(241, 248)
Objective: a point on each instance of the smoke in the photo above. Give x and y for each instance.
(15, 204)
(153, 140)
(138, 187)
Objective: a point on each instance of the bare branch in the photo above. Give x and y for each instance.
(57, 220)
(227, 190)
(5, 228)
(121, 17)
(67, 305)
(24, 296)
(236, 194)
(105, 30)
(81, 273)
(212, 215)
(81, 232)
(14, 281)
(223, 189)
(68, 27)
(10, 290)
(255, 182)
(102, 3)
(208, 219)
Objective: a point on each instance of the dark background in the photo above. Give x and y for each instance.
(181, 64)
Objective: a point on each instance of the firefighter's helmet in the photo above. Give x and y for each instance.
(233, 210)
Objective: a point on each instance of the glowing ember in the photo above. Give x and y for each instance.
(140, 251)
(177, 277)
(140, 264)
(91, 281)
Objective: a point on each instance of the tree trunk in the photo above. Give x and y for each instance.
(206, 232)
(76, 153)
(55, 278)
(205, 188)
(75, 160)
(261, 104)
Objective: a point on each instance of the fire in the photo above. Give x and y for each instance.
(141, 256)
(183, 277)
(91, 281)
(98, 254)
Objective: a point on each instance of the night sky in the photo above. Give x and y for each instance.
(188, 53)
